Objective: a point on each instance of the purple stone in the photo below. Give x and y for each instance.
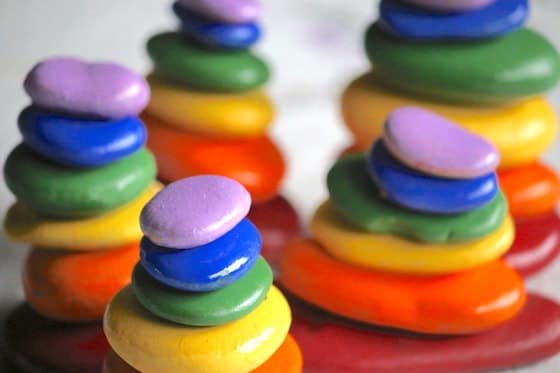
(432, 144)
(229, 11)
(450, 5)
(103, 90)
(194, 211)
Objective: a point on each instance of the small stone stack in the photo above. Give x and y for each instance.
(473, 62)
(202, 298)
(209, 112)
(81, 177)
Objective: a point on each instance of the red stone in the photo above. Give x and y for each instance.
(537, 244)
(332, 345)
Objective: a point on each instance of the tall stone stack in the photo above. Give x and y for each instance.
(473, 62)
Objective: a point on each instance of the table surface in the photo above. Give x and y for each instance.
(313, 46)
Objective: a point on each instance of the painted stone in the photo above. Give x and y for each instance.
(74, 86)
(355, 196)
(185, 63)
(531, 190)
(238, 115)
(461, 303)
(256, 163)
(76, 286)
(194, 211)
(36, 344)
(116, 228)
(492, 71)
(58, 191)
(80, 142)
(212, 308)
(278, 223)
(521, 131)
(232, 11)
(536, 244)
(451, 5)
(394, 254)
(412, 23)
(216, 34)
(204, 268)
(427, 142)
(150, 344)
(418, 191)
(363, 349)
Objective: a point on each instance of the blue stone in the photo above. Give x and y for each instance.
(419, 191)
(408, 22)
(80, 142)
(207, 267)
(214, 34)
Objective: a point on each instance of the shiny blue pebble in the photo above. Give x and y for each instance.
(216, 35)
(79, 142)
(408, 22)
(207, 267)
(419, 191)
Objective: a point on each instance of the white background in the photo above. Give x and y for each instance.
(314, 47)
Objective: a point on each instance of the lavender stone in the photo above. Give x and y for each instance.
(229, 11)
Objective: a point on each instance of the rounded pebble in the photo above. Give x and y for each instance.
(232, 11)
(451, 5)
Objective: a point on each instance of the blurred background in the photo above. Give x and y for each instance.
(313, 46)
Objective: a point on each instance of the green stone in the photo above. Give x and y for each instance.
(203, 308)
(357, 198)
(183, 62)
(55, 190)
(489, 71)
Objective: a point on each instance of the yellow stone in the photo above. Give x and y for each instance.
(521, 131)
(154, 345)
(395, 254)
(216, 114)
(116, 228)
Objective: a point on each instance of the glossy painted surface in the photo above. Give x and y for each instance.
(256, 163)
(518, 65)
(212, 308)
(223, 115)
(207, 267)
(415, 190)
(363, 349)
(395, 254)
(194, 211)
(451, 5)
(72, 85)
(76, 286)
(463, 303)
(80, 142)
(115, 229)
(531, 190)
(233, 11)
(355, 196)
(58, 191)
(183, 62)
(150, 344)
(521, 131)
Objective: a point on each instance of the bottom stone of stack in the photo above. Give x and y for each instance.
(153, 345)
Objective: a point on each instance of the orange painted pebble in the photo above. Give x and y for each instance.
(76, 286)
(461, 303)
(531, 190)
(256, 163)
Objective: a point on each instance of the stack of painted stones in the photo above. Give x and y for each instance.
(81, 177)
(202, 298)
(411, 238)
(473, 62)
(209, 113)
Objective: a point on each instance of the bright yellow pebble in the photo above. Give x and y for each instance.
(521, 131)
(215, 114)
(395, 254)
(154, 345)
(114, 229)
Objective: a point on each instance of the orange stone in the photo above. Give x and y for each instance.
(531, 190)
(256, 163)
(76, 286)
(461, 303)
